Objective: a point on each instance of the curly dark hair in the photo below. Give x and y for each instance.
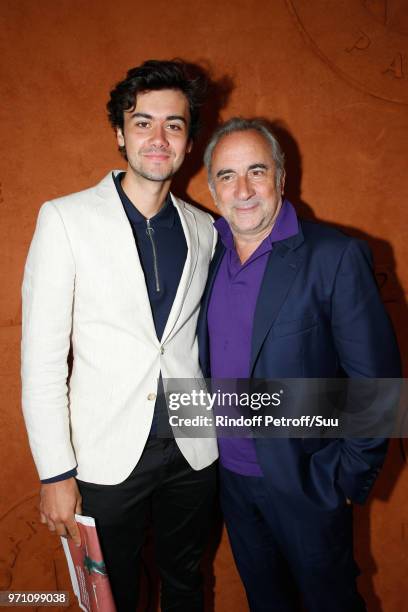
(154, 75)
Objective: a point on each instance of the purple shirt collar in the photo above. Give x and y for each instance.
(285, 226)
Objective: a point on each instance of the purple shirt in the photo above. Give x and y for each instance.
(230, 320)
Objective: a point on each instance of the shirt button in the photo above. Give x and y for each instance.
(151, 397)
(162, 350)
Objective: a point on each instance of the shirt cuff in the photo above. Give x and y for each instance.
(64, 476)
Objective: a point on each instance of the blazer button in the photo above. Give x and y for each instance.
(151, 397)
(162, 350)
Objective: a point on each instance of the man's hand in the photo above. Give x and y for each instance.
(59, 501)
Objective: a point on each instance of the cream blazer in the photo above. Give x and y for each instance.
(84, 288)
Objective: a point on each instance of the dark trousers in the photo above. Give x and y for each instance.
(179, 502)
(285, 553)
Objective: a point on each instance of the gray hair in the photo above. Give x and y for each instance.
(240, 124)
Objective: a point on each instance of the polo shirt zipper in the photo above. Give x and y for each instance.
(150, 232)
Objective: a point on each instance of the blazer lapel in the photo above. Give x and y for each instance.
(212, 275)
(281, 270)
(121, 242)
(202, 325)
(189, 224)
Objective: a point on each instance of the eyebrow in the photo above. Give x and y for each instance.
(224, 171)
(169, 118)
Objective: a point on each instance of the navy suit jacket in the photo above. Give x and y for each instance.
(318, 315)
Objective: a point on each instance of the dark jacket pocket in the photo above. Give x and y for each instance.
(285, 328)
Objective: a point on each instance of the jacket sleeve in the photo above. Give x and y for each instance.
(48, 297)
(366, 347)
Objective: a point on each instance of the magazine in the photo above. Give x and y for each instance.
(87, 569)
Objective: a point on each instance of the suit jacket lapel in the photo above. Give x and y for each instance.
(202, 326)
(281, 270)
(120, 240)
(189, 224)
(212, 275)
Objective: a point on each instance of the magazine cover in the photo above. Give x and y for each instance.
(87, 569)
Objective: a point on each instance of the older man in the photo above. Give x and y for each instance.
(292, 299)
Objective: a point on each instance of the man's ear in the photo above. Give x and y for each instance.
(189, 146)
(282, 185)
(119, 137)
(213, 194)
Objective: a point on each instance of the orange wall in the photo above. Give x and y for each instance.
(337, 78)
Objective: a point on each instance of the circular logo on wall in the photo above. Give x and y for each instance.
(364, 41)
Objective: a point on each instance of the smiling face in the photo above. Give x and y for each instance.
(243, 184)
(155, 134)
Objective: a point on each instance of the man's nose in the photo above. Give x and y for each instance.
(244, 189)
(159, 136)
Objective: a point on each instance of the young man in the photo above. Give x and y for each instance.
(117, 273)
(289, 299)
